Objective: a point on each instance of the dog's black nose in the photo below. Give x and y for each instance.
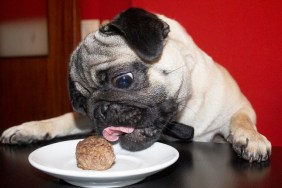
(101, 111)
(104, 108)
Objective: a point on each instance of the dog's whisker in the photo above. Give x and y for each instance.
(174, 70)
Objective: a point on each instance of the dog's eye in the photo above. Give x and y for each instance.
(123, 81)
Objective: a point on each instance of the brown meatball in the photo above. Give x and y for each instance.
(94, 153)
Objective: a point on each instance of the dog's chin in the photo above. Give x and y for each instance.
(139, 139)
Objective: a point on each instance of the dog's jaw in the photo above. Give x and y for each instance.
(140, 139)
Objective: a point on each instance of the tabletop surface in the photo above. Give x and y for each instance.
(199, 165)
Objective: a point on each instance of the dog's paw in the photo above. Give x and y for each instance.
(24, 134)
(250, 145)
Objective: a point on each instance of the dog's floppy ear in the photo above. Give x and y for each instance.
(144, 32)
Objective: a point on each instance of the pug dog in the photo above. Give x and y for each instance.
(139, 73)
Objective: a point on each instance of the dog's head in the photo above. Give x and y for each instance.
(118, 77)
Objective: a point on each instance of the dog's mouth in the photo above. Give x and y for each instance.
(112, 133)
(133, 139)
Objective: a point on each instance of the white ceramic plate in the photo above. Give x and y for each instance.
(59, 161)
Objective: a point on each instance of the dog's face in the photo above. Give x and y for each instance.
(116, 77)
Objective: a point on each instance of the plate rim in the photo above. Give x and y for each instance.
(102, 174)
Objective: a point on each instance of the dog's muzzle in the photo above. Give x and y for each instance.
(132, 126)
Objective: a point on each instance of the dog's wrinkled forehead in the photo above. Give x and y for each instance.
(134, 32)
(100, 48)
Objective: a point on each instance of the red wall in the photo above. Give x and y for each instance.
(244, 36)
(15, 9)
(103, 9)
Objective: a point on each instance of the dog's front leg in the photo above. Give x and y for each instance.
(67, 124)
(246, 140)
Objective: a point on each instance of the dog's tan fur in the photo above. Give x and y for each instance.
(210, 101)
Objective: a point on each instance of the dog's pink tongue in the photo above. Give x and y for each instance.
(112, 133)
